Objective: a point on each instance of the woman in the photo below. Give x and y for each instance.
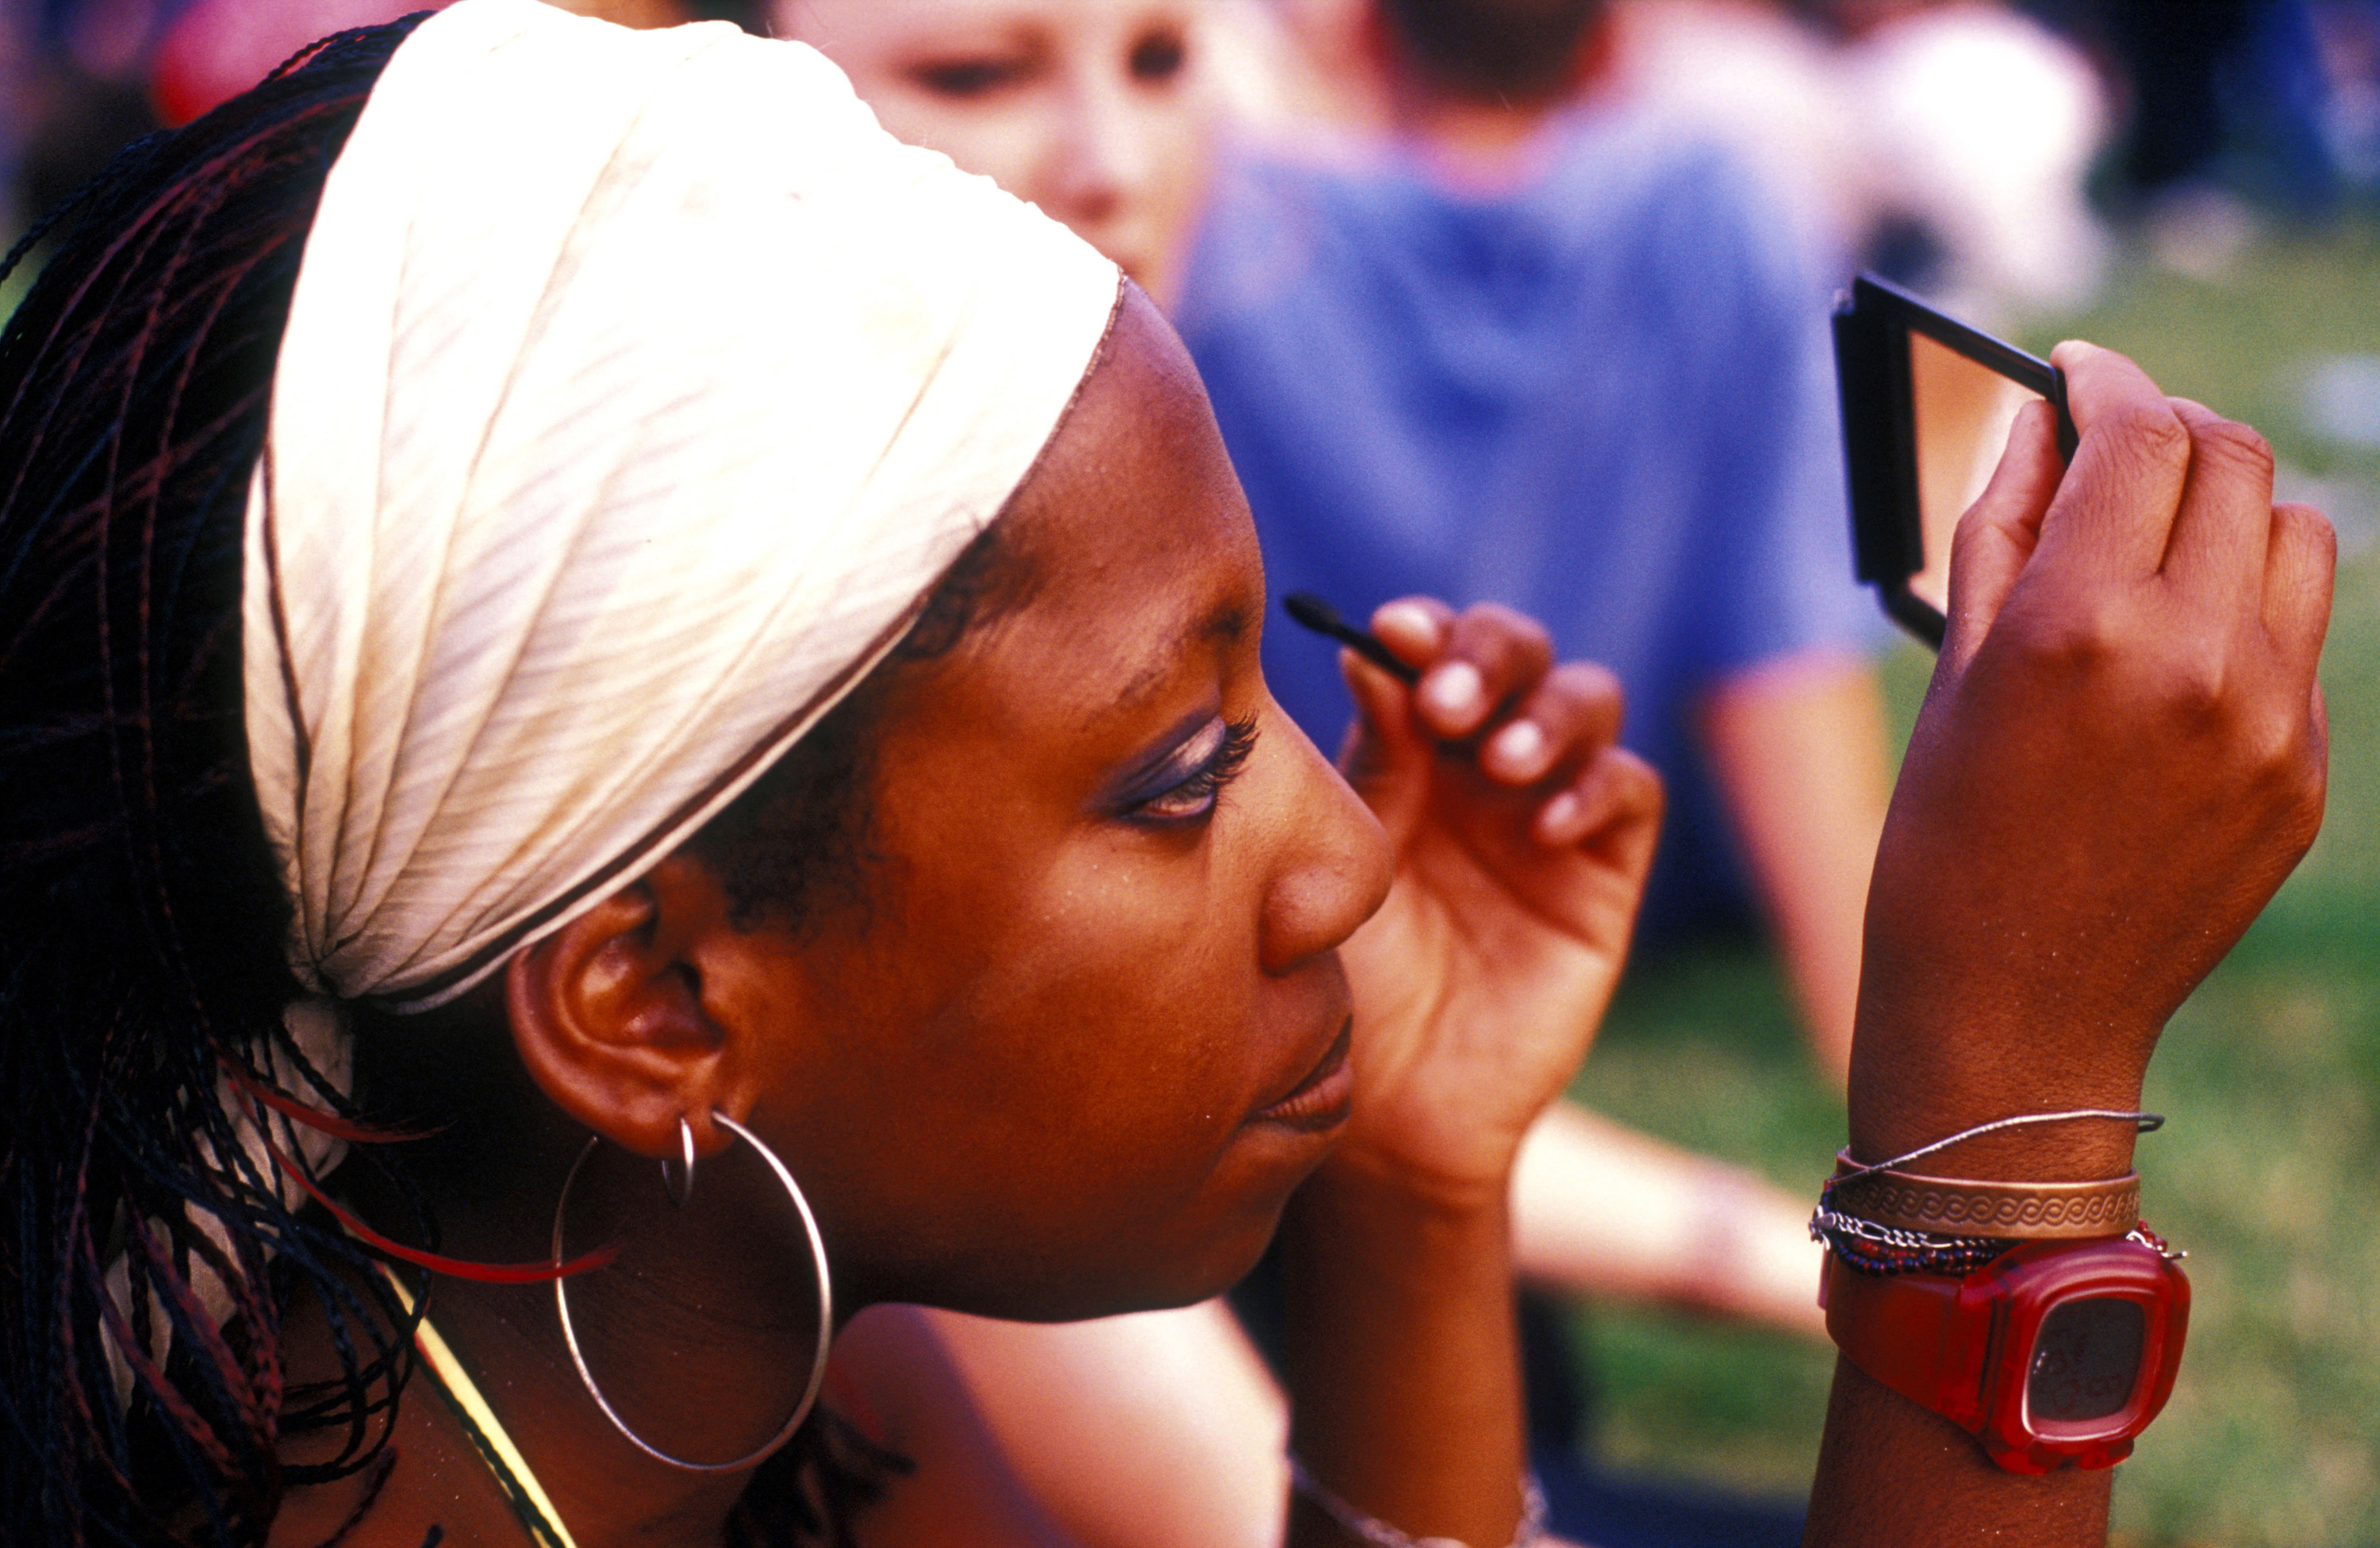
(594, 692)
(1024, 960)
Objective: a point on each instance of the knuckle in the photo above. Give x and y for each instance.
(2230, 446)
(2154, 433)
(2082, 638)
(2313, 793)
(1652, 792)
(1588, 684)
(1514, 630)
(2291, 789)
(2273, 746)
(2297, 525)
(2197, 693)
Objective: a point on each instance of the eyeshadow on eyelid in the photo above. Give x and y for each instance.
(1184, 758)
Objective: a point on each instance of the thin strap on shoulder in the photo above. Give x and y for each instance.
(510, 1470)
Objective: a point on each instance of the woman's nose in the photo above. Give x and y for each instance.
(1107, 161)
(1334, 867)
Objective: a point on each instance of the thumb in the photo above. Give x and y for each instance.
(1386, 758)
(1996, 536)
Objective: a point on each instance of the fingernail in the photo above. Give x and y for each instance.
(1519, 747)
(1557, 816)
(1406, 618)
(1454, 689)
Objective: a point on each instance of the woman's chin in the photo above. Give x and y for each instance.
(1078, 1292)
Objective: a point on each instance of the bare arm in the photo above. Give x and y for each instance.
(1157, 1430)
(1797, 749)
(1600, 1208)
(2122, 756)
(1160, 1430)
(895, 1380)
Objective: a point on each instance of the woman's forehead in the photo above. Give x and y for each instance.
(1141, 547)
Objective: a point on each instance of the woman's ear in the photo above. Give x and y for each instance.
(609, 1014)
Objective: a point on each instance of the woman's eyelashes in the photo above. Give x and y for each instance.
(973, 77)
(1156, 59)
(1183, 788)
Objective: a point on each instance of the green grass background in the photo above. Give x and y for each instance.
(2269, 1170)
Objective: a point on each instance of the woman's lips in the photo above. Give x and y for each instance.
(1320, 1100)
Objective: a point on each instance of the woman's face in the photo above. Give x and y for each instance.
(1086, 1032)
(1092, 109)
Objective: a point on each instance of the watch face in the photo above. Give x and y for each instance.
(2086, 1359)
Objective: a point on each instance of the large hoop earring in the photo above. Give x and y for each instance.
(678, 1195)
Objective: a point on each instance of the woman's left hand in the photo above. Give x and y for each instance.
(1523, 834)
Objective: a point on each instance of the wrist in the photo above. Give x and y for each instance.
(1402, 1366)
(1894, 1475)
(1907, 1090)
(1352, 1237)
(1374, 1180)
(2045, 1319)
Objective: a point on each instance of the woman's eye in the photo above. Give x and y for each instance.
(1158, 56)
(1185, 788)
(964, 80)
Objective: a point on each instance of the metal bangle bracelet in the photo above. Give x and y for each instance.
(1379, 1534)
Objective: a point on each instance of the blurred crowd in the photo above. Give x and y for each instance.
(80, 77)
(1985, 151)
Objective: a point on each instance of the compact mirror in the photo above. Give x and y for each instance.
(1927, 404)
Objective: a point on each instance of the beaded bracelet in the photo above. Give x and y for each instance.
(1379, 1534)
(1889, 1250)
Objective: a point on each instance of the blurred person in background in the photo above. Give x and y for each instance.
(1549, 355)
(1961, 146)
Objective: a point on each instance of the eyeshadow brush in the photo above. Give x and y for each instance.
(1322, 618)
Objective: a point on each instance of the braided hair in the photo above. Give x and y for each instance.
(149, 1251)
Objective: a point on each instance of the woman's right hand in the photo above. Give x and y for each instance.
(2122, 756)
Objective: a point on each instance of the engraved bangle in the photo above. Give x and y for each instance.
(1379, 1534)
(1962, 1207)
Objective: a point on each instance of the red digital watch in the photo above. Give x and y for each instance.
(2055, 1352)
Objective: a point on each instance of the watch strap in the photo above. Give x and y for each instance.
(1913, 1334)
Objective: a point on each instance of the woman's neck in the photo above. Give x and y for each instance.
(698, 1336)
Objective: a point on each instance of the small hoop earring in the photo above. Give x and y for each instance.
(818, 1258)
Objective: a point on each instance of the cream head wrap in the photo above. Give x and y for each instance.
(635, 389)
